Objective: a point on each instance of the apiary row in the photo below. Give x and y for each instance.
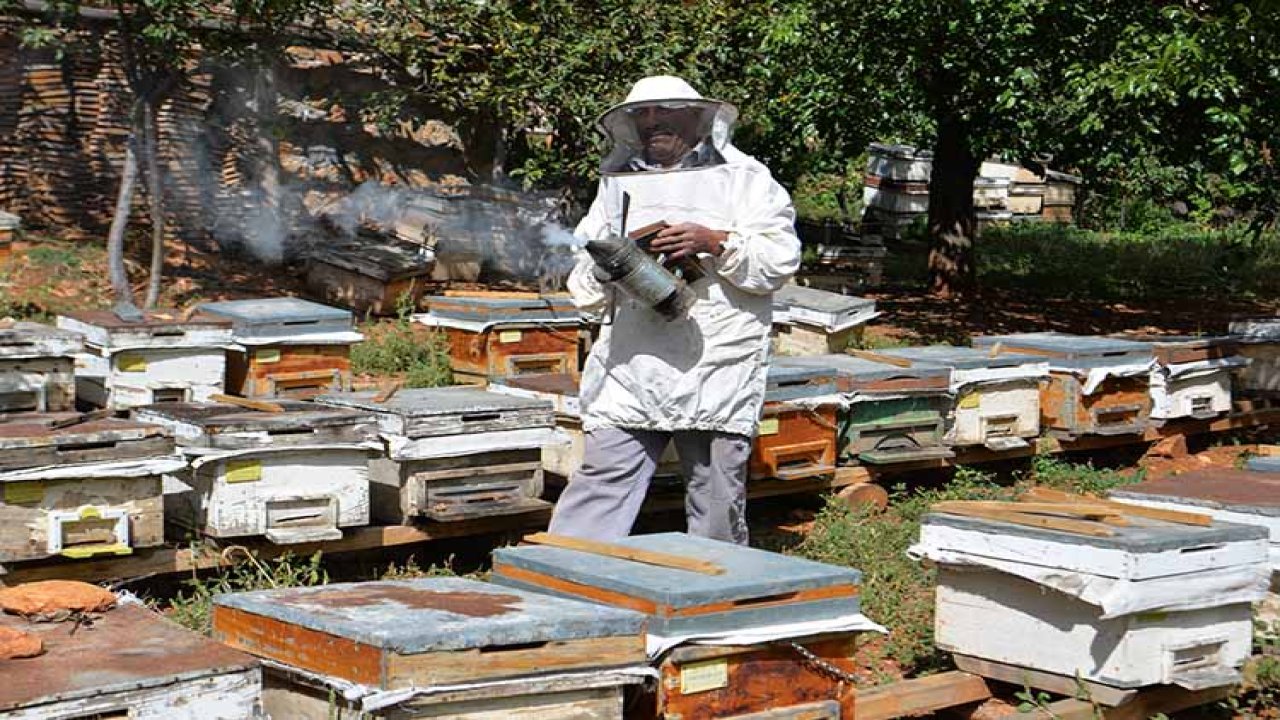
(657, 626)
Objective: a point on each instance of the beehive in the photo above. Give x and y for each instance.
(1097, 385)
(808, 321)
(497, 335)
(37, 367)
(163, 358)
(435, 647)
(997, 398)
(892, 414)
(9, 225)
(757, 590)
(796, 436)
(286, 347)
(299, 475)
(1259, 341)
(76, 488)
(374, 275)
(1151, 602)
(128, 663)
(1192, 377)
(455, 453)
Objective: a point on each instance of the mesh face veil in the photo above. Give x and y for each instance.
(665, 125)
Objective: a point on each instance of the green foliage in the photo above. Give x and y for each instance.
(411, 570)
(192, 607)
(829, 196)
(401, 348)
(1178, 262)
(1259, 696)
(1052, 471)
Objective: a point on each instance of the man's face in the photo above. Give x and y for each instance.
(667, 133)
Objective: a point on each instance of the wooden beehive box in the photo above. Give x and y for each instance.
(83, 489)
(1193, 375)
(164, 358)
(129, 663)
(1097, 385)
(1259, 341)
(1060, 196)
(996, 398)
(455, 453)
(1152, 602)
(809, 321)
(903, 163)
(796, 439)
(299, 475)
(894, 414)
(9, 225)
(758, 589)
(426, 637)
(499, 335)
(371, 276)
(287, 347)
(37, 367)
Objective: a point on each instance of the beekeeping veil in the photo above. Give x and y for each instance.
(705, 125)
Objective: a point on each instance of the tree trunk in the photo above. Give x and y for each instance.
(155, 194)
(951, 221)
(119, 223)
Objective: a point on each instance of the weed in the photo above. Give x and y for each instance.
(410, 570)
(399, 348)
(192, 608)
(1054, 472)
(1259, 695)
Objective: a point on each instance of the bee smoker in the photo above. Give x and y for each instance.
(640, 275)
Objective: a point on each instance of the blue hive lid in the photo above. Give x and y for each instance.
(961, 358)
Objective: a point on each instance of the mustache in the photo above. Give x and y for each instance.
(657, 128)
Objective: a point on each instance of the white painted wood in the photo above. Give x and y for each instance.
(1190, 396)
(333, 482)
(998, 617)
(1270, 522)
(1005, 409)
(228, 696)
(131, 378)
(1081, 557)
(149, 337)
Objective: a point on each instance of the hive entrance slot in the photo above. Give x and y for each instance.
(765, 599)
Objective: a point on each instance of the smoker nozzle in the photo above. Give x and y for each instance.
(641, 276)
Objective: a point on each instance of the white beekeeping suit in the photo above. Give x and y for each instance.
(705, 371)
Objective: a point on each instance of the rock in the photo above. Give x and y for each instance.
(1174, 446)
(17, 644)
(51, 596)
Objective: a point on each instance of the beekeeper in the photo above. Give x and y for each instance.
(697, 380)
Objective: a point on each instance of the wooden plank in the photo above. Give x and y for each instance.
(1079, 527)
(922, 695)
(1080, 507)
(877, 357)
(648, 557)
(388, 391)
(1164, 699)
(250, 403)
(1040, 680)
(1175, 516)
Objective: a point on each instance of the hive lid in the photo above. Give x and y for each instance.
(212, 417)
(1255, 493)
(1141, 535)
(961, 358)
(1270, 464)
(791, 382)
(1257, 329)
(435, 614)
(158, 329)
(128, 648)
(820, 300)
(749, 573)
(863, 370)
(385, 261)
(559, 389)
(500, 307)
(1063, 346)
(30, 430)
(432, 402)
(282, 316)
(28, 339)
(902, 152)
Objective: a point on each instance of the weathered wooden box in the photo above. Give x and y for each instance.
(287, 347)
(1259, 342)
(990, 193)
(86, 489)
(809, 321)
(1153, 603)
(899, 162)
(294, 476)
(371, 275)
(164, 358)
(757, 589)
(130, 663)
(1193, 375)
(435, 647)
(768, 681)
(997, 398)
(455, 453)
(1060, 196)
(796, 436)
(37, 367)
(1097, 385)
(891, 414)
(9, 226)
(895, 197)
(497, 336)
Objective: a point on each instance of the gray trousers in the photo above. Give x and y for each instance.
(604, 496)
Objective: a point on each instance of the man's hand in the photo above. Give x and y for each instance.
(689, 239)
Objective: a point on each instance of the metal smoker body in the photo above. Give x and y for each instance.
(641, 276)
